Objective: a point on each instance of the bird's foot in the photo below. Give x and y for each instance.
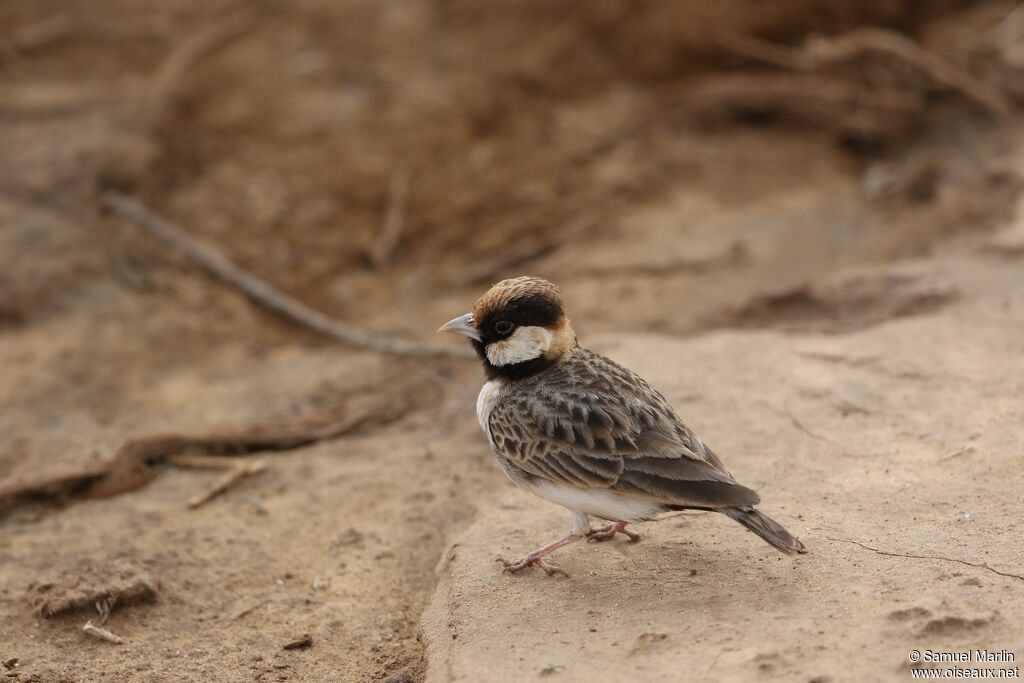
(535, 560)
(606, 533)
(536, 557)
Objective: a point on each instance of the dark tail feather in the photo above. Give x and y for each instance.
(768, 529)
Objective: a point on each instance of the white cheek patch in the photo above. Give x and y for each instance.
(526, 343)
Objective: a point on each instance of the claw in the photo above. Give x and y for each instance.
(536, 557)
(531, 559)
(607, 533)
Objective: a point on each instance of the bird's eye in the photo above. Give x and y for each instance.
(503, 327)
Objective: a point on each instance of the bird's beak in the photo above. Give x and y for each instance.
(462, 325)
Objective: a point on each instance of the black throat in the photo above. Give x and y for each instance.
(512, 371)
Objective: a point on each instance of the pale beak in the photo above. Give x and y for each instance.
(462, 325)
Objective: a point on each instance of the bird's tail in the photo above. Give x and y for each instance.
(768, 529)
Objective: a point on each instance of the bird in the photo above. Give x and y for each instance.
(577, 429)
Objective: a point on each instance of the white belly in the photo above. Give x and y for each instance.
(598, 502)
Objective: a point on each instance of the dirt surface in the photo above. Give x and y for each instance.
(889, 451)
(829, 252)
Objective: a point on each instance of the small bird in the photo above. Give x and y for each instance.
(582, 431)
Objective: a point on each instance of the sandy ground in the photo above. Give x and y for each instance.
(822, 290)
(891, 452)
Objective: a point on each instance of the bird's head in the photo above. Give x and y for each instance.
(518, 327)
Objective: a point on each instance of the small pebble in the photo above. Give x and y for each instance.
(306, 641)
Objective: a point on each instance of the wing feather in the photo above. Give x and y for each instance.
(591, 423)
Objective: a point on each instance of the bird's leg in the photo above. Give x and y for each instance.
(606, 533)
(536, 557)
(580, 528)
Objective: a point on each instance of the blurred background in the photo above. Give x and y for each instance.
(677, 167)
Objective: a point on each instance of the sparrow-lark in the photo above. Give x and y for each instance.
(580, 430)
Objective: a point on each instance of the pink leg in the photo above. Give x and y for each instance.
(535, 557)
(608, 532)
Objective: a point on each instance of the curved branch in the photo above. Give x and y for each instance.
(263, 292)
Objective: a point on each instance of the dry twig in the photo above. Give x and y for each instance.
(822, 52)
(206, 41)
(519, 253)
(249, 609)
(765, 51)
(202, 462)
(824, 100)
(36, 35)
(902, 49)
(1010, 29)
(384, 245)
(102, 633)
(104, 607)
(33, 36)
(236, 472)
(963, 450)
(264, 293)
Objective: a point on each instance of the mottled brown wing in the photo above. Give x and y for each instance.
(590, 423)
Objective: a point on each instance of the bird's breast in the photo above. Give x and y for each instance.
(489, 396)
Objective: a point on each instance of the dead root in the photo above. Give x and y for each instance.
(382, 248)
(87, 586)
(837, 82)
(264, 293)
(517, 254)
(829, 102)
(901, 50)
(138, 460)
(208, 40)
(101, 633)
